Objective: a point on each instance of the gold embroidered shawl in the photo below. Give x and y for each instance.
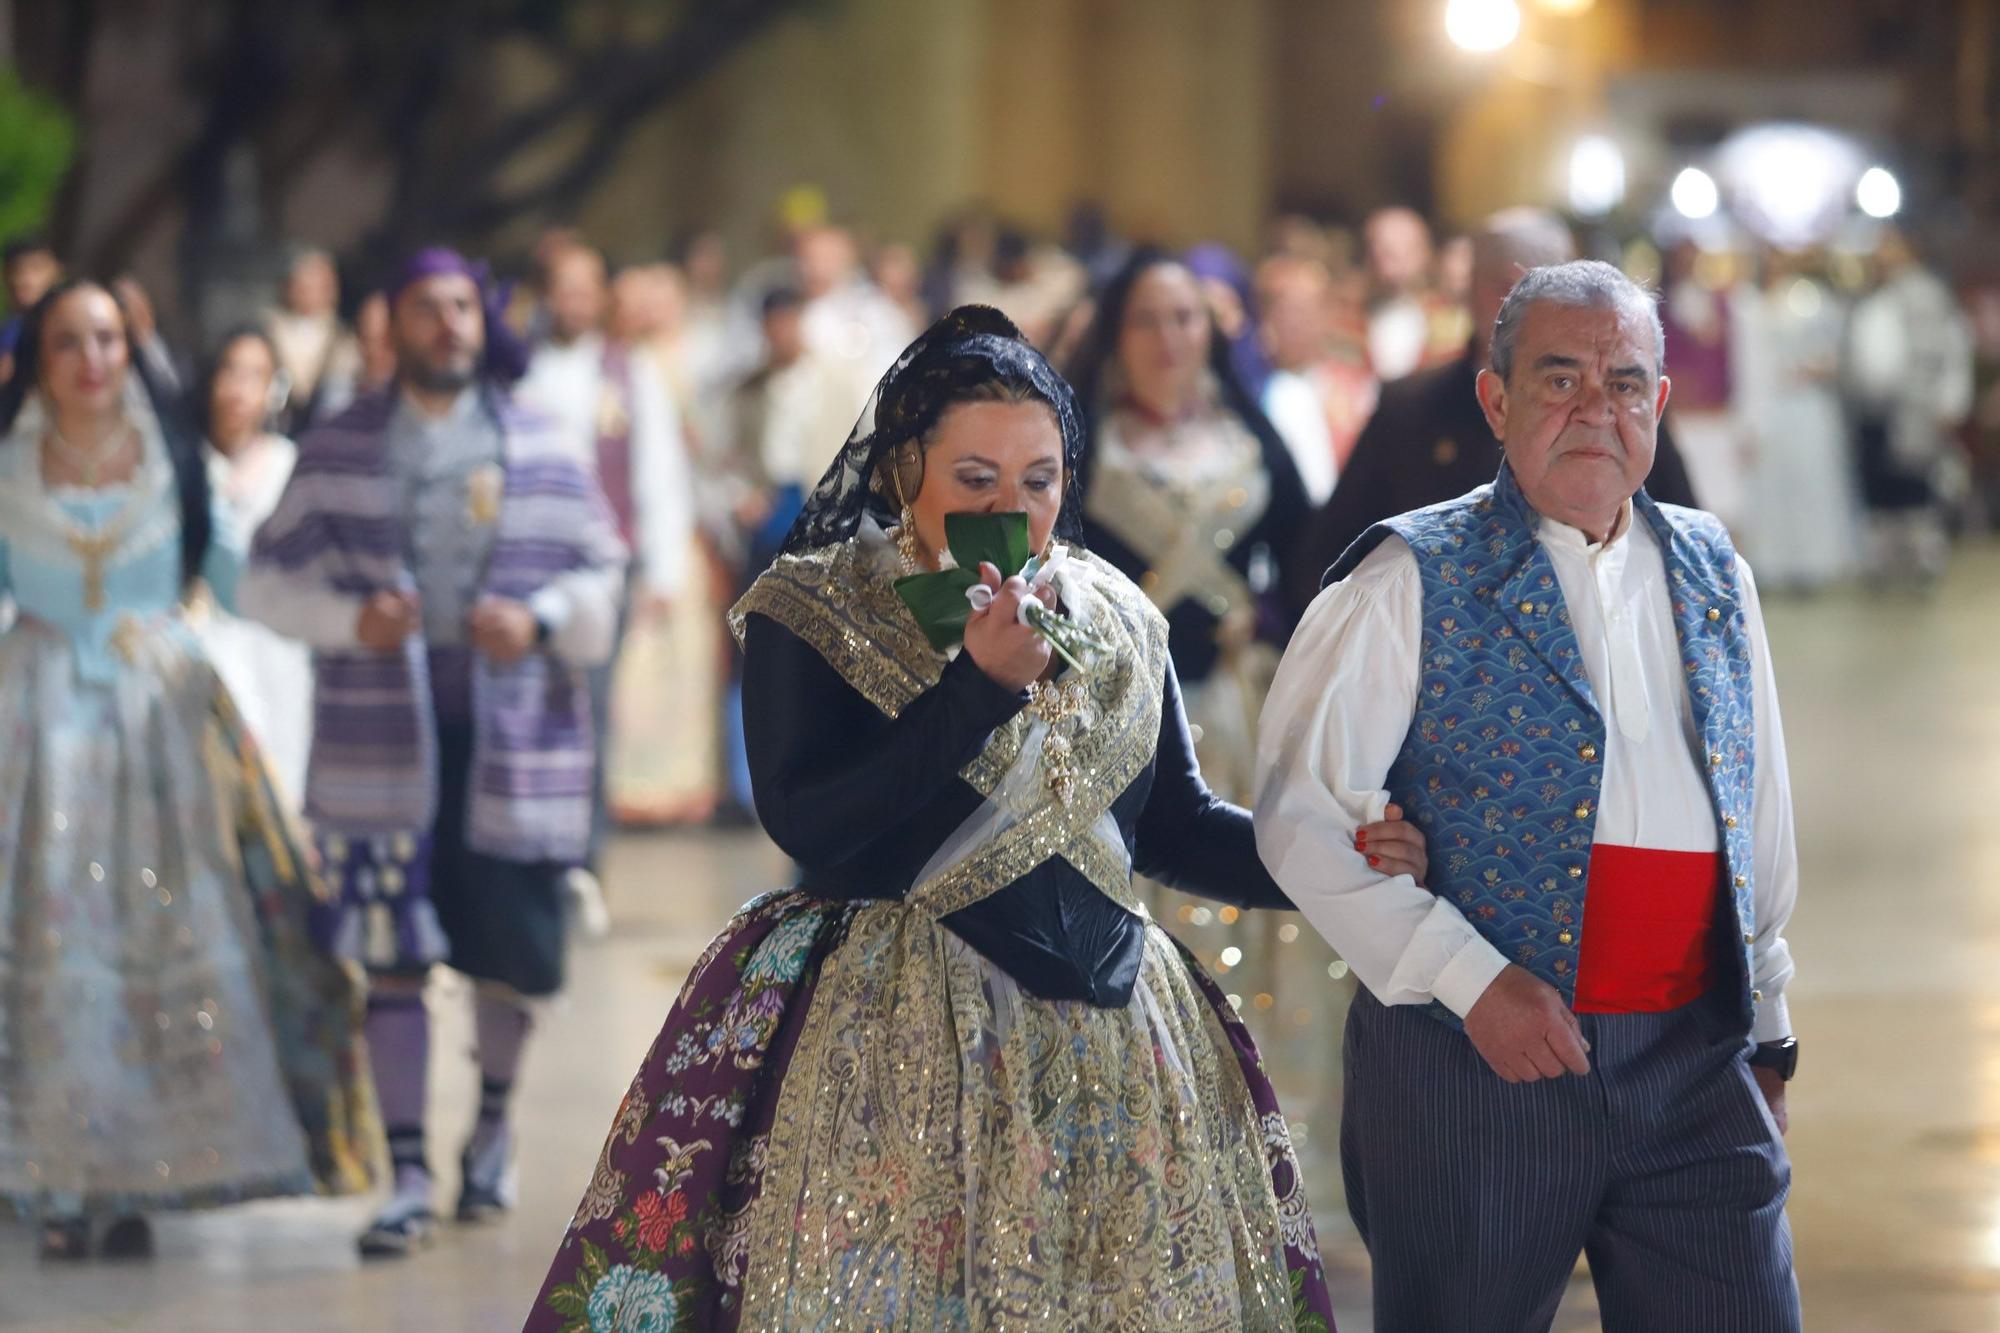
(841, 601)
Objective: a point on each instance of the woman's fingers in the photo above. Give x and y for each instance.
(1394, 848)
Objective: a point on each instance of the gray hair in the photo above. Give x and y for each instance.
(1581, 283)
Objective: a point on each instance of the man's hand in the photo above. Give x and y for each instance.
(1521, 1027)
(504, 630)
(387, 619)
(1394, 846)
(1773, 1089)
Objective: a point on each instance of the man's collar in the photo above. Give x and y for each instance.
(1558, 533)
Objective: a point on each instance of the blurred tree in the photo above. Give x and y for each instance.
(35, 142)
(418, 85)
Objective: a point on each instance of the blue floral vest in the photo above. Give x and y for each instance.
(1503, 760)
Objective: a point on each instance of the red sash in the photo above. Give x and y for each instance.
(1647, 922)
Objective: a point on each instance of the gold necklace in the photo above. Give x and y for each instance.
(89, 463)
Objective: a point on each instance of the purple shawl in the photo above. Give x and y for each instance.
(374, 754)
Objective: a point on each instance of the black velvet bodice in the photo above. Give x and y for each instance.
(862, 800)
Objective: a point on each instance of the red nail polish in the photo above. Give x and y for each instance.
(1361, 840)
(1374, 860)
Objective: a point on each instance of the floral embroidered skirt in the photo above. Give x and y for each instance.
(169, 1037)
(852, 1119)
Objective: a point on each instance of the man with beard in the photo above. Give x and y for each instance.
(455, 568)
(1573, 1036)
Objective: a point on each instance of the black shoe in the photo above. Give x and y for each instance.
(127, 1238)
(400, 1230)
(487, 1188)
(66, 1239)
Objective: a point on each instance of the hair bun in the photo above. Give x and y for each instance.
(971, 321)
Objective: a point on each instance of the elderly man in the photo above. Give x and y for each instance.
(455, 568)
(1427, 440)
(1574, 1037)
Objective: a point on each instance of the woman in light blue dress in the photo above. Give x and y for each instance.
(168, 1037)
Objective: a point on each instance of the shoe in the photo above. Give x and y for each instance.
(66, 1239)
(586, 904)
(128, 1237)
(399, 1230)
(487, 1176)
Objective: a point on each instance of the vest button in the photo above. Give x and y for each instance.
(1576, 872)
(1527, 608)
(1729, 821)
(1756, 997)
(1587, 752)
(1583, 811)
(1742, 881)
(1749, 937)
(1715, 613)
(1715, 759)
(1565, 938)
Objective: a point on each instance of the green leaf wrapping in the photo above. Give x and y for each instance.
(1000, 540)
(938, 603)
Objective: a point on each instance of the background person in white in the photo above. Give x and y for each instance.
(1479, 1162)
(621, 416)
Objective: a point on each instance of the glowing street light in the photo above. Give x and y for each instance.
(1596, 176)
(1482, 25)
(1879, 193)
(1694, 194)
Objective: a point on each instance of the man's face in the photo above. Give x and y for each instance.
(29, 278)
(784, 334)
(577, 294)
(1399, 249)
(313, 288)
(439, 332)
(1579, 413)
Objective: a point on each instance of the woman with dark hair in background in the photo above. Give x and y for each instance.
(269, 676)
(1191, 493)
(172, 1039)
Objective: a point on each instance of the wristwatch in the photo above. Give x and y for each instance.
(1780, 1057)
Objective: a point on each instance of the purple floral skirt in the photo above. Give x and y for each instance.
(851, 1116)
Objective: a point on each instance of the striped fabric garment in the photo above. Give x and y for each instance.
(374, 761)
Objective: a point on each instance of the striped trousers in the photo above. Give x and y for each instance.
(1475, 1195)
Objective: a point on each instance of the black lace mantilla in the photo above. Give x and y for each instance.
(972, 345)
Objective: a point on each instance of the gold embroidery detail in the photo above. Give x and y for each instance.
(1121, 1165)
(841, 601)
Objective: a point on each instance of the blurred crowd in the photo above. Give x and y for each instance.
(1840, 411)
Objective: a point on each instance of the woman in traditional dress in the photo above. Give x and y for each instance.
(1802, 522)
(168, 1037)
(956, 1079)
(268, 675)
(663, 752)
(1192, 494)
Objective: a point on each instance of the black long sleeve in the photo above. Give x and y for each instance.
(1189, 838)
(830, 772)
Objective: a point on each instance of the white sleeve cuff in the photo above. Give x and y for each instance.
(1463, 979)
(1773, 1021)
(581, 610)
